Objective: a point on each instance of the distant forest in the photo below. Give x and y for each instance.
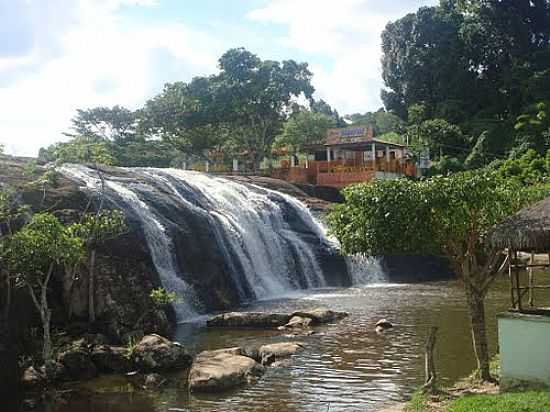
(466, 80)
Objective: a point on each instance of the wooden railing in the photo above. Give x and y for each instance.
(344, 178)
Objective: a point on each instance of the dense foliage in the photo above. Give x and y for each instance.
(481, 66)
(447, 216)
(466, 81)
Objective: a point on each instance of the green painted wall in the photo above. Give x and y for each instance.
(524, 346)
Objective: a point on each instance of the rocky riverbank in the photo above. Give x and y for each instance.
(150, 362)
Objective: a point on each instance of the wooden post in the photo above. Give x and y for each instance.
(516, 272)
(374, 157)
(531, 262)
(429, 385)
(510, 275)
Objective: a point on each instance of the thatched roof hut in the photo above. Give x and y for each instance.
(528, 230)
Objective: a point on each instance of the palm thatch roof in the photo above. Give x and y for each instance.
(528, 230)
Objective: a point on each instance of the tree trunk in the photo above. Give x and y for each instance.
(47, 348)
(44, 311)
(476, 307)
(9, 372)
(431, 375)
(7, 297)
(45, 316)
(91, 288)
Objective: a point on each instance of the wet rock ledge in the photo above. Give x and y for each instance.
(275, 320)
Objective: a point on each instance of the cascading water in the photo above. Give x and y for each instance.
(216, 242)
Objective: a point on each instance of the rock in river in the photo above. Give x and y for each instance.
(297, 322)
(155, 353)
(384, 324)
(275, 351)
(271, 320)
(249, 319)
(321, 315)
(219, 370)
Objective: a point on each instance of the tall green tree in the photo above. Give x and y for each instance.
(33, 254)
(451, 218)
(103, 123)
(477, 64)
(184, 116)
(254, 96)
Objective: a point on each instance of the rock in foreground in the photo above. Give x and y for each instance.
(276, 351)
(219, 370)
(155, 353)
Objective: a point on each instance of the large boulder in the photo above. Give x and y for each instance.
(249, 320)
(220, 370)
(155, 353)
(111, 359)
(321, 315)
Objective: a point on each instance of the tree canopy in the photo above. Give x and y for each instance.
(475, 64)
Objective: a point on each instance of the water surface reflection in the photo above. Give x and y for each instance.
(346, 365)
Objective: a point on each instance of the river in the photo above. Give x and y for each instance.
(346, 366)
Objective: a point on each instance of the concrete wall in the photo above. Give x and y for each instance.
(524, 342)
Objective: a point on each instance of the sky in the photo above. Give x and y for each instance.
(60, 55)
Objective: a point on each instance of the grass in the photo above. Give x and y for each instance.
(418, 402)
(507, 402)
(130, 348)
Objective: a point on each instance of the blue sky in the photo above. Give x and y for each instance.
(60, 55)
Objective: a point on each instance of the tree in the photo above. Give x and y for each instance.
(474, 63)
(116, 124)
(439, 137)
(8, 350)
(9, 213)
(113, 136)
(451, 217)
(322, 107)
(423, 59)
(303, 128)
(184, 116)
(33, 253)
(381, 121)
(94, 229)
(80, 149)
(533, 127)
(528, 169)
(254, 95)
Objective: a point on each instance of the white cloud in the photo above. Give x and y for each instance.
(99, 61)
(345, 32)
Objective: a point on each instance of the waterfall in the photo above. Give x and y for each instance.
(216, 242)
(365, 270)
